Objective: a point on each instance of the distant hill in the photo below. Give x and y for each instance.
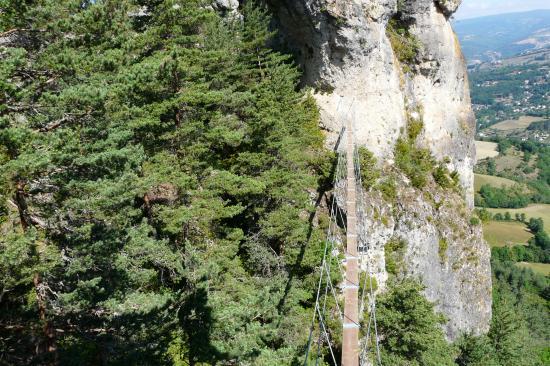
(495, 37)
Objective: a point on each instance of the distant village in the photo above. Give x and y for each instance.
(503, 93)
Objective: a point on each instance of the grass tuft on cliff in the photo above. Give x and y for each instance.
(404, 44)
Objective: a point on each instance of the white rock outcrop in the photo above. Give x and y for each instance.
(347, 57)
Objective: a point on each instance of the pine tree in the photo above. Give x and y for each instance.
(161, 162)
(412, 330)
(508, 333)
(475, 351)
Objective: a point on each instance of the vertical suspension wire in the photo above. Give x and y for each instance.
(325, 274)
(321, 275)
(336, 214)
(368, 272)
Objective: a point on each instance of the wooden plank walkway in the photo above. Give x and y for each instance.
(350, 340)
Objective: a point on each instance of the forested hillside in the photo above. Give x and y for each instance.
(491, 38)
(158, 172)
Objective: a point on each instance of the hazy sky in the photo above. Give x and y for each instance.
(479, 8)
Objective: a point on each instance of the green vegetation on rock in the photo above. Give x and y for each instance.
(394, 250)
(415, 162)
(404, 44)
(442, 251)
(369, 171)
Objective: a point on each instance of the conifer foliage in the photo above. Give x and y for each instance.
(412, 329)
(157, 173)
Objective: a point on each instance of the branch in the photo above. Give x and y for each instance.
(19, 37)
(4, 291)
(67, 117)
(37, 221)
(55, 124)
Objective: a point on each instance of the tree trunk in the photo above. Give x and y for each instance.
(48, 345)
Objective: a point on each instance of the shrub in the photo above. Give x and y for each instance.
(405, 45)
(483, 215)
(443, 178)
(414, 128)
(393, 253)
(443, 246)
(400, 5)
(415, 163)
(388, 188)
(365, 282)
(367, 163)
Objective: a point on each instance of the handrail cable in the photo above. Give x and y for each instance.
(352, 197)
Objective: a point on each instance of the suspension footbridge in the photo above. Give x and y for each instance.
(345, 253)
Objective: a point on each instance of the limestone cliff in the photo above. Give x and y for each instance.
(348, 57)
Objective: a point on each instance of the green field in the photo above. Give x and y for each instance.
(506, 233)
(536, 211)
(481, 179)
(543, 268)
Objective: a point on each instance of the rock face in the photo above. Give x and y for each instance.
(225, 5)
(437, 245)
(448, 6)
(347, 57)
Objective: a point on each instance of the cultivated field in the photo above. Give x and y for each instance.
(505, 233)
(515, 124)
(535, 57)
(482, 179)
(543, 268)
(539, 210)
(486, 150)
(508, 162)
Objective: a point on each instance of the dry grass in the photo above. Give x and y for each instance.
(486, 150)
(515, 124)
(482, 179)
(506, 233)
(508, 162)
(542, 268)
(536, 211)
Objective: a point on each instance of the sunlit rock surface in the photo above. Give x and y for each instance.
(347, 58)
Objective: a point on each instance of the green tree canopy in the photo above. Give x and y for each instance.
(157, 167)
(412, 330)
